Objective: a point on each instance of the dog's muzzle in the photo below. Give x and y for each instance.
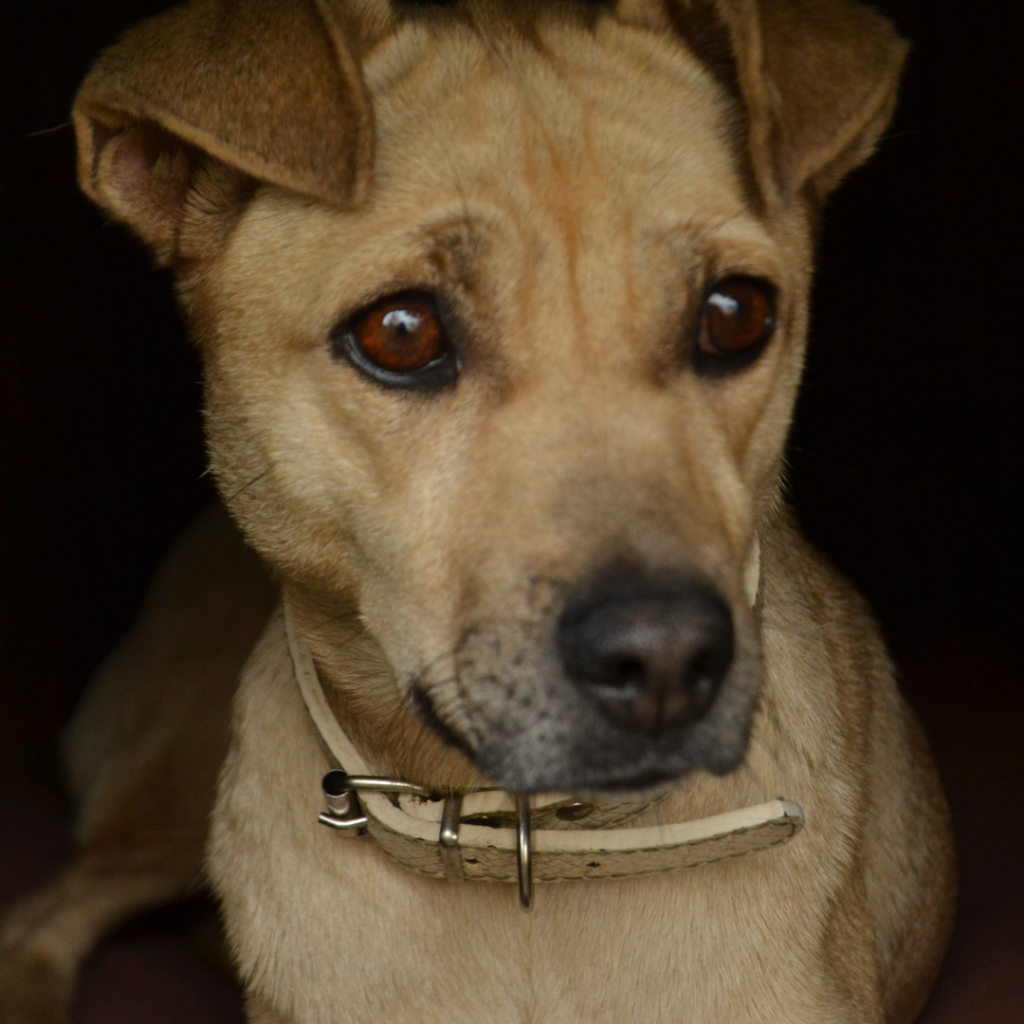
(629, 682)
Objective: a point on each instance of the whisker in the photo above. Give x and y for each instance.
(48, 131)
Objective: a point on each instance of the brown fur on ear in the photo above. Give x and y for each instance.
(818, 78)
(269, 88)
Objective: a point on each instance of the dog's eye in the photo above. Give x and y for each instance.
(399, 341)
(399, 335)
(737, 322)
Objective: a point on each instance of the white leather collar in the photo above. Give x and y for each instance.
(491, 835)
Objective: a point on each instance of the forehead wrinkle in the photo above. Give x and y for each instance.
(556, 78)
(563, 174)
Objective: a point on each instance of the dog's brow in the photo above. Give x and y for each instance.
(454, 246)
(693, 232)
(699, 245)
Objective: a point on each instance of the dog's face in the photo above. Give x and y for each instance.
(508, 427)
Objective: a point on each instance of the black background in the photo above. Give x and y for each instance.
(904, 461)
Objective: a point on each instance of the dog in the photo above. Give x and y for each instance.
(503, 309)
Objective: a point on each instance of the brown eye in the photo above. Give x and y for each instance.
(737, 322)
(399, 341)
(400, 335)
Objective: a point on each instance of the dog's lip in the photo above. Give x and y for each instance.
(423, 708)
(646, 785)
(641, 786)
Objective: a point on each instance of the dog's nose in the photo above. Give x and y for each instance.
(652, 655)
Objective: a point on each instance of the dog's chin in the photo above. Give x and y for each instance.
(613, 780)
(609, 764)
(642, 786)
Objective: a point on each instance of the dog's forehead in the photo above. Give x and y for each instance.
(606, 120)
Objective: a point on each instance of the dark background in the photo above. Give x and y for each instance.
(904, 461)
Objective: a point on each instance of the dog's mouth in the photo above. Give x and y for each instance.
(592, 758)
(634, 685)
(423, 708)
(641, 783)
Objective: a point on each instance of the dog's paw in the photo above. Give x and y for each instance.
(32, 991)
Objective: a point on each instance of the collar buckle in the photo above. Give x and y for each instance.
(344, 813)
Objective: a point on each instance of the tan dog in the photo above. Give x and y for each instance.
(503, 311)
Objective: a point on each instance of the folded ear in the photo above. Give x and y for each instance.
(818, 79)
(222, 90)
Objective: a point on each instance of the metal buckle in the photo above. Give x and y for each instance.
(343, 811)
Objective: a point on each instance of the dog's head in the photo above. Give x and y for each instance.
(502, 308)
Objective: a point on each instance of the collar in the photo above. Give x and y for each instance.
(490, 835)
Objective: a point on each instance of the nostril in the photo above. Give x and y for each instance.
(626, 675)
(702, 677)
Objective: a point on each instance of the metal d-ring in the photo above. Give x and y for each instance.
(524, 855)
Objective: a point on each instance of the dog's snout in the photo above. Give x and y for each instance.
(651, 655)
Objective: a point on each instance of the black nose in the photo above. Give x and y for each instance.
(652, 654)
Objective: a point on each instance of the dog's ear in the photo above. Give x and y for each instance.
(194, 103)
(818, 79)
